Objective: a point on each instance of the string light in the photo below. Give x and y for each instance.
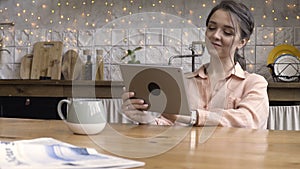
(58, 10)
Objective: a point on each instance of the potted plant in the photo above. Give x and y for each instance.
(131, 54)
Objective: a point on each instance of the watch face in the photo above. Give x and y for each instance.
(193, 117)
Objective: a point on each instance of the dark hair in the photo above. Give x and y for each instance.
(244, 18)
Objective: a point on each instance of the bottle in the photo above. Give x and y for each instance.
(88, 66)
(100, 65)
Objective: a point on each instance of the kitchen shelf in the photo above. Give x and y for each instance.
(61, 88)
(277, 91)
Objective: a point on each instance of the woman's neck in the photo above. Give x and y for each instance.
(220, 66)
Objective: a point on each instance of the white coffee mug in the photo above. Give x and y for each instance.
(84, 116)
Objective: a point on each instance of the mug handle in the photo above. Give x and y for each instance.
(60, 103)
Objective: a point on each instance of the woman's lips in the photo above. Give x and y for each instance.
(216, 45)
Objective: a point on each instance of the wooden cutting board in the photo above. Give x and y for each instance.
(47, 59)
(25, 67)
(71, 65)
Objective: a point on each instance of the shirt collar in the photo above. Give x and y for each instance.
(201, 72)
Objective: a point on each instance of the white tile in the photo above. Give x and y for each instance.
(16, 71)
(119, 37)
(85, 37)
(102, 37)
(185, 50)
(156, 55)
(187, 67)
(117, 52)
(8, 38)
(107, 74)
(261, 58)
(7, 58)
(264, 36)
(137, 37)
(284, 35)
(8, 71)
(190, 34)
(56, 35)
(154, 36)
(171, 51)
(249, 54)
(20, 52)
(70, 38)
(202, 33)
(297, 36)
(23, 37)
(115, 73)
(262, 53)
(38, 35)
(172, 37)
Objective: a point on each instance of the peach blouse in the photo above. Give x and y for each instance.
(240, 100)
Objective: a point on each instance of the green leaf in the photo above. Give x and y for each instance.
(131, 54)
(138, 48)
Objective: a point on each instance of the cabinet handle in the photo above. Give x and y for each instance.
(27, 102)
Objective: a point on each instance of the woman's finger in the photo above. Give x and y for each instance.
(128, 105)
(127, 95)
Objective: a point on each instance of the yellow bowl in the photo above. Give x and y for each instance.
(281, 50)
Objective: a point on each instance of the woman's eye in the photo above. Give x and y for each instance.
(211, 28)
(228, 33)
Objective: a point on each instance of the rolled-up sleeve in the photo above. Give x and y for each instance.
(250, 108)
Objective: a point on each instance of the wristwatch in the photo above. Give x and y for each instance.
(193, 117)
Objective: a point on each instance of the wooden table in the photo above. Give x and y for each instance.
(231, 148)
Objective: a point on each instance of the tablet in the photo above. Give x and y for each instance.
(162, 87)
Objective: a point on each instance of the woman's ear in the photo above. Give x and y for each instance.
(243, 42)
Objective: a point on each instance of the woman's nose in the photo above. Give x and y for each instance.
(217, 34)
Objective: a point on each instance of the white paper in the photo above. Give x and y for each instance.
(48, 153)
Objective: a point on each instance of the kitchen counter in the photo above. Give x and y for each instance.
(277, 91)
(284, 92)
(61, 88)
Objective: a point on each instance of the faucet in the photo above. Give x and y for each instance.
(1, 49)
(5, 50)
(193, 55)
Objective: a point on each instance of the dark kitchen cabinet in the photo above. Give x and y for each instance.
(30, 107)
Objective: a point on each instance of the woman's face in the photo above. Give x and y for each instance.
(223, 35)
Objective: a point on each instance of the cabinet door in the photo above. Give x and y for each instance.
(30, 107)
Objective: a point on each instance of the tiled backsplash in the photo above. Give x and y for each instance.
(160, 36)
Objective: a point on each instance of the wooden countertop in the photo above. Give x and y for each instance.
(277, 91)
(61, 88)
(280, 91)
(232, 148)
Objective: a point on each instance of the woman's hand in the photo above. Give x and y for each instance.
(135, 109)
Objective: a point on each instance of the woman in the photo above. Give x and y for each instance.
(221, 92)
